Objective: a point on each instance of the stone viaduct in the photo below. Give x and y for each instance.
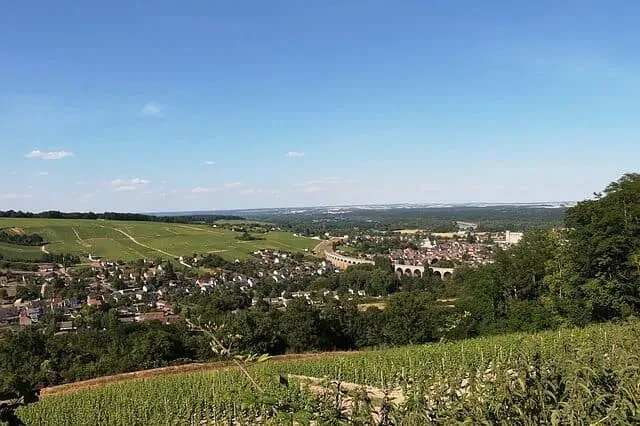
(418, 271)
(343, 262)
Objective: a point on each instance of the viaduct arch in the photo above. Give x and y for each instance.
(343, 262)
(418, 271)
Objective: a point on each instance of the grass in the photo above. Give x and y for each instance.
(152, 239)
(21, 252)
(570, 376)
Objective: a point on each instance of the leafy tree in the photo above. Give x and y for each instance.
(302, 327)
(604, 250)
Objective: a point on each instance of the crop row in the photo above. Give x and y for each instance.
(572, 376)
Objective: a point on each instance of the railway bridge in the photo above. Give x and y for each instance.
(418, 270)
(343, 262)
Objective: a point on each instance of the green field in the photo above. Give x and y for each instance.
(571, 376)
(152, 239)
(21, 252)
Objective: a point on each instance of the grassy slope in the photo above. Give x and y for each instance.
(22, 252)
(102, 238)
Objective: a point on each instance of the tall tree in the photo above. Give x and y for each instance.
(604, 249)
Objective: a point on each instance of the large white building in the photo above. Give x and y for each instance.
(512, 237)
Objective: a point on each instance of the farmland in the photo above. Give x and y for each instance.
(571, 376)
(128, 240)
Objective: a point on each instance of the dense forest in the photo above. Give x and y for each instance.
(52, 214)
(588, 272)
(434, 219)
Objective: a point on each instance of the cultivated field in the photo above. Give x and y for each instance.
(572, 376)
(134, 240)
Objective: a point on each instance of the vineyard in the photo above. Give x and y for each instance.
(571, 376)
(130, 240)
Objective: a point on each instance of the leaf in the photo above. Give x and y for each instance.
(263, 357)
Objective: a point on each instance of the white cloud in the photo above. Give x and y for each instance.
(43, 173)
(15, 196)
(127, 185)
(212, 189)
(203, 190)
(208, 163)
(321, 184)
(254, 190)
(52, 155)
(294, 154)
(152, 109)
(233, 184)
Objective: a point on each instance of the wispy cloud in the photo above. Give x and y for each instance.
(152, 109)
(232, 185)
(81, 182)
(208, 163)
(127, 185)
(321, 184)
(212, 189)
(204, 190)
(293, 154)
(51, 155)
(254, 190)
(15, 196)
(43, 173)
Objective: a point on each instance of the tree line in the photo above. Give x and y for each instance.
(434, 219)
(53, 214)
(21, 238)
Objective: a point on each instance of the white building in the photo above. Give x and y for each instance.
(512, 237)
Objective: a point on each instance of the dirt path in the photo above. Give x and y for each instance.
(133, 240)
(178, 369)
(315, 384)
(198, 229)
(80, 241)
(44, 249)
(348, 393)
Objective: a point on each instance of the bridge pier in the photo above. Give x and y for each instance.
(418, 271)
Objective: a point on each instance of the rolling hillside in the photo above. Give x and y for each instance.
(570, 376)
(134, 240)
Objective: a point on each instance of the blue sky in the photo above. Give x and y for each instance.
(168, 105)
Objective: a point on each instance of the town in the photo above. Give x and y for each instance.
(148, 290)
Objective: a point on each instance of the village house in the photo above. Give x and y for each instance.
(94, 302)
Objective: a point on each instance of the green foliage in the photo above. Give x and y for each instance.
(603, 250)
(433, 219)
(575, 376)
(105, 238)
(52, 214)
(245, 236)
(21, 238)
